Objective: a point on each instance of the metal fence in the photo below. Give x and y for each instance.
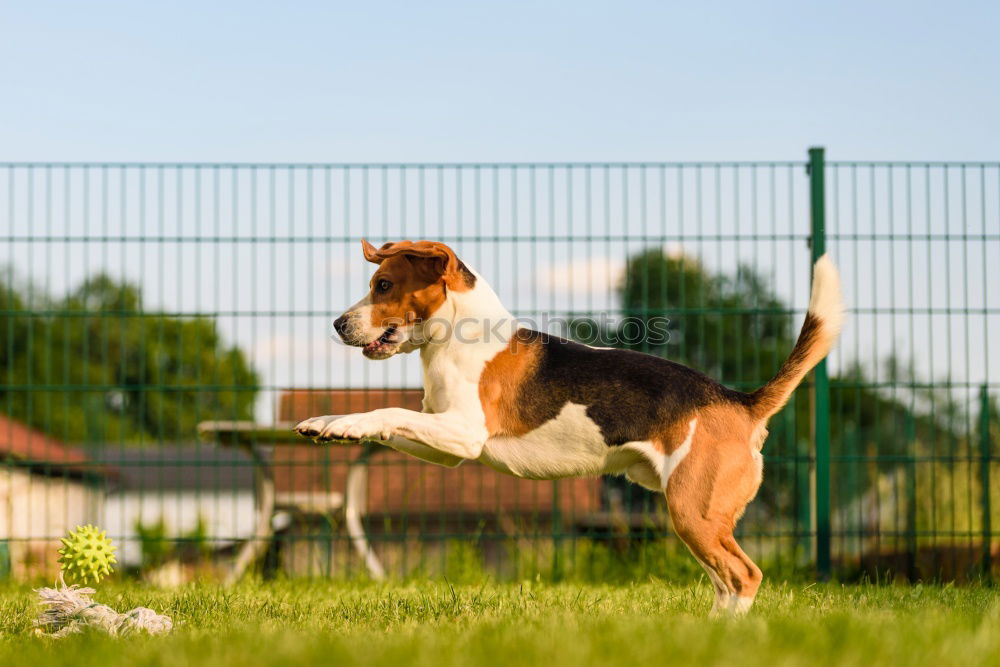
(162, 325)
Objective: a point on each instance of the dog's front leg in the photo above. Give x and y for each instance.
(313, 427)
(448, 433)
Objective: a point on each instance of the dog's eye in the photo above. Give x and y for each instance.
(383, 286)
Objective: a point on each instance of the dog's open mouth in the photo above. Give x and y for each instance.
(383, 346)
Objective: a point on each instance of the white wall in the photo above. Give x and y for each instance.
(35, 511)
(229, 516)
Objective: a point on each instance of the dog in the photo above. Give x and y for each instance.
(537, 406)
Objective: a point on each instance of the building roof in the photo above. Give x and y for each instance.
(179, 467)
(294, 405)
(32, 448)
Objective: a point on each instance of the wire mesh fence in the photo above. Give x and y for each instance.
(164, 325)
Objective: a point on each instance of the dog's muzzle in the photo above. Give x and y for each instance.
(382, 346)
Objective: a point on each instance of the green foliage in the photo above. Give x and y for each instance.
(158, 547)
(737, 330)
(729, 327)
(154, 544)
(463, 562)
(627, 561)
(732, 328)
(581, 560)
(96, 366)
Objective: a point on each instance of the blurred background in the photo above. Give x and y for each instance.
(183, 191)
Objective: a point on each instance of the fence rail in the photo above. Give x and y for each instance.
(139, 300)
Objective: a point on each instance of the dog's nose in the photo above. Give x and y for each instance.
(340, 324)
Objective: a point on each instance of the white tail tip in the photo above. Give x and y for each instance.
(826, 301)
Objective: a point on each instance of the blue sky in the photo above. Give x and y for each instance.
(492, 82)
(467, 81)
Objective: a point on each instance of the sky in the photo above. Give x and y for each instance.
(502, 81)
(403, 82)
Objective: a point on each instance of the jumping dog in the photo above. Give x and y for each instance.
(537, 406)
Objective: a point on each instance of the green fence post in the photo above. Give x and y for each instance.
(911, 496)
(5, 564)
(557, 529)
(821, 383)
(984, 451)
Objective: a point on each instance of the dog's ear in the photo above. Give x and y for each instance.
(434, 257)
(371, 254)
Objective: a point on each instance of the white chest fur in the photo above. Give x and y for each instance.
(470, 329)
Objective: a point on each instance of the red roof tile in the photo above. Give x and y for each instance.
(25, 444)
(298, 404)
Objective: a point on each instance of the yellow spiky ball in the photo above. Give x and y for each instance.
(87, 555)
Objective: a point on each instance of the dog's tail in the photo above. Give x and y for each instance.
(819, 333)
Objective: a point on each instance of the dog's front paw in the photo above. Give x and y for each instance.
(356, 427)
(312, 427)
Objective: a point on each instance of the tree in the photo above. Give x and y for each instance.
(732, 328)
(737, 330)
(96, 366)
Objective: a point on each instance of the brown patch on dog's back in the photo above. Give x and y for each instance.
(501, 382)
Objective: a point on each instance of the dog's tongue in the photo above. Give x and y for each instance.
(385, 340)
(381, 341)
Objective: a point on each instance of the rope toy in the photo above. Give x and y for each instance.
(68, 610)
(88, 553)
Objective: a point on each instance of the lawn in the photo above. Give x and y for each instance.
(433, 623)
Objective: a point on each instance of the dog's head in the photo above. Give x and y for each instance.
(411, 284)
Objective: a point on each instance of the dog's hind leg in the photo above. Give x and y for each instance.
(706, 495)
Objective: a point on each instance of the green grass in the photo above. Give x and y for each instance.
(433, 623)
